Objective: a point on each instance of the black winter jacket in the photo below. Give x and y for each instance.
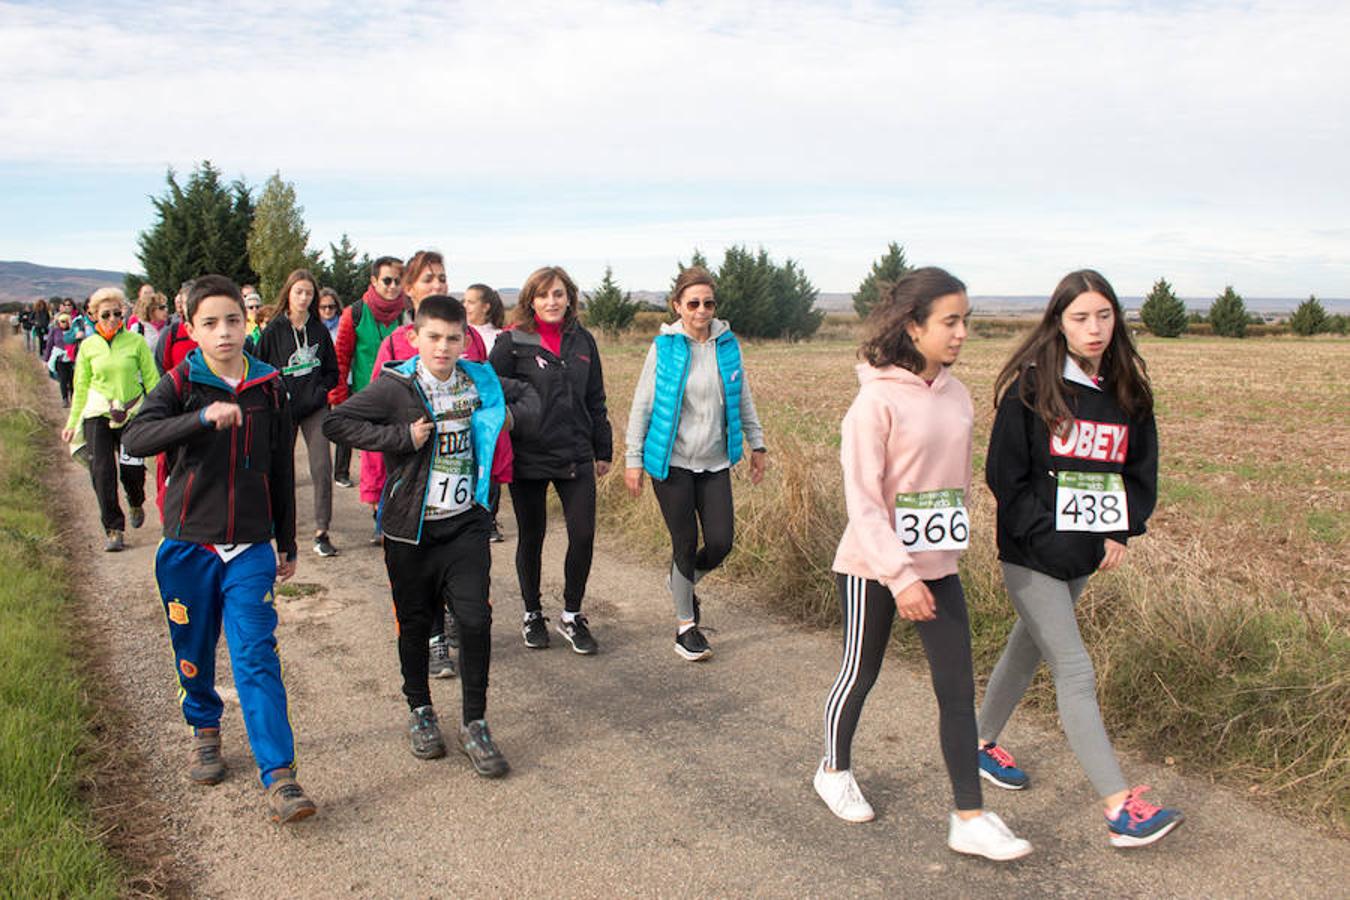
(1022, 470)
(575, 426)
(235, 486)
(307, 384)
(377, 418)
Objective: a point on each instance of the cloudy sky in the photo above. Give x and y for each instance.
(1007, 141)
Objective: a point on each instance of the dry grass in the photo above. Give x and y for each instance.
(1223, 644)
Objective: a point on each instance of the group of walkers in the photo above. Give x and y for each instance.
(448, 400)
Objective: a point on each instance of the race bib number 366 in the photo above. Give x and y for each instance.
(932, 520)
(1091, 501)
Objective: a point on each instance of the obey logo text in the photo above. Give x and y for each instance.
(1098, 441)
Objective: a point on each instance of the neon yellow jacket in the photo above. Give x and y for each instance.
(120, 370)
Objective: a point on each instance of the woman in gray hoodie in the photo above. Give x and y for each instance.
(691, 418)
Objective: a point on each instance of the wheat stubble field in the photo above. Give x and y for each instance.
(1223, 645)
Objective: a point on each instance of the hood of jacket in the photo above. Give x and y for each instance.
(717, 328)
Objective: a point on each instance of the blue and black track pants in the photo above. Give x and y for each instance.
(200, 593)
(869, 611)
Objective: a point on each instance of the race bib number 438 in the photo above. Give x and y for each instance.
(1091, 501)
(932, 520)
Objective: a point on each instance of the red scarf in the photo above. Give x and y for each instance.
(385, 311)
(550, 335)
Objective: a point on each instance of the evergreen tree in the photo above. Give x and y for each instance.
(609, 308)
(1228, 314)
(1309, 319)
(761, 299)
(344, 272)
(698, 259)
(131, 285)
(276, 242)
(887, 270)
(1338, 324)
(1163, 312)
(200, 228)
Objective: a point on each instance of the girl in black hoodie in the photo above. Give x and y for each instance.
(1073, 464)
(298, 345)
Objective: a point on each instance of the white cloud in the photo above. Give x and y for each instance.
(1053, 125)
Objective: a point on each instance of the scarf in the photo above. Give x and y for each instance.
(385, 311)
(109, 331)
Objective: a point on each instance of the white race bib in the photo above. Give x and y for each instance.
(932, 520)
(451, 486)
(227, 552)
(124, 460)
(1091, 501)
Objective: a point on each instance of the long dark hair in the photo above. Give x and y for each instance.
(1122, 368)
(283, 305)
(910, 299)
(496, 311)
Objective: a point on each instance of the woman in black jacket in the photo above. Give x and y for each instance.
(546, 347)
(1073, 464)
(298, 345)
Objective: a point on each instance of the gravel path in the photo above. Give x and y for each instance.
(634, 772)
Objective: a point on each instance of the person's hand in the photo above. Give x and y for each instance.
(420, 431)
(916, 603)
(285, 567)
(632, 479)
(759, 461)
(67, 434)
(601, 468)
(1115, 554)
(221, 415)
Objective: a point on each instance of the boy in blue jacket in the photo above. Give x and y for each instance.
(221, 417)
(436, 418)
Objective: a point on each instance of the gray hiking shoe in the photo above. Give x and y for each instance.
(287, 800)
(425, 733)
(114, 542)
(206, 766)
(439, 663)
(476, 742)
(137, 516)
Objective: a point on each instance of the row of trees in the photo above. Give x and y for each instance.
(1165, 315)
(207, 225)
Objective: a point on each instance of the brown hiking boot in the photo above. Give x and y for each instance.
(207, 766)
(288, 801)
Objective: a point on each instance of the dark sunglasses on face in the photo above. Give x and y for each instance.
(387, 281)
(326, 307)
(694, 304)
(110, 314)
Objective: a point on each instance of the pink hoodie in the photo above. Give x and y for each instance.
(900, 436)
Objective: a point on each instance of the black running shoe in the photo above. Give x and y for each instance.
(495, 535)
(579, 635)
(343, 481)
(323, 546)
(425, 733)
(137, 516)
(692, 645)
(476, 742)
(535, 631)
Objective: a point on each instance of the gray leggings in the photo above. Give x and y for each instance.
(320, 466)
(1047, 629)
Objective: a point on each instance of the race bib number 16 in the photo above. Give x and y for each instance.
(1091, 501)
(932, 520)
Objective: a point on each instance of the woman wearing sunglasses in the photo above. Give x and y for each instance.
(330, 311)
(113, 370)
(691, 418)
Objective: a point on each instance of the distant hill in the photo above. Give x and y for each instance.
(29, 281)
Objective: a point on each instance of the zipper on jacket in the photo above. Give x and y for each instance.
(187, 496)
(248, 440)
(267, 489)
(234, 458)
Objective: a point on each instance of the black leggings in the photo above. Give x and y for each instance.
(65, 376)
(104, 442)
(869, 611)
(529, 496)
(688, 500)
(452, 562)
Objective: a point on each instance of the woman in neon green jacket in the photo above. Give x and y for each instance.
(113, 371)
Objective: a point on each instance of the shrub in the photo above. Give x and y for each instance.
(1163, 312)
(1309, 319)
(609, 308)
(1228, 314)
(887, 270)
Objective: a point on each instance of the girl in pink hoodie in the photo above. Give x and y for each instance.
(906, 445)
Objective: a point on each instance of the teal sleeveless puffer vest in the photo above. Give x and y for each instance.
(672, 370)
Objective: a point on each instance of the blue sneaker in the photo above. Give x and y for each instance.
(998, 766)
(1140, 823)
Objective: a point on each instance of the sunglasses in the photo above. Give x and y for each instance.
(695, 304)
(327, 306)
(110, 314)
(387, 281)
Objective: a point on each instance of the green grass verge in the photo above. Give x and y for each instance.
(47, 845)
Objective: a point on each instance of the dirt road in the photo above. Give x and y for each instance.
(634, 772)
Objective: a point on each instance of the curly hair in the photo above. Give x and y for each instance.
(907, 300)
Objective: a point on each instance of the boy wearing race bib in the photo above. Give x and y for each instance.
(436, 418)
(223, 421)
(1073, 464)
(906, 445)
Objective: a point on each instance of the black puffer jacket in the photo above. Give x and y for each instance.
(1022, 470)
(575, 426)
(308, 384)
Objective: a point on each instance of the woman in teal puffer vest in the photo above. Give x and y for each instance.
(691, 417)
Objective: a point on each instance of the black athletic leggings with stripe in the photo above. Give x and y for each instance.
(869, 611)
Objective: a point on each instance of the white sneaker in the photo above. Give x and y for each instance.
(987, 836)
(841, 794)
